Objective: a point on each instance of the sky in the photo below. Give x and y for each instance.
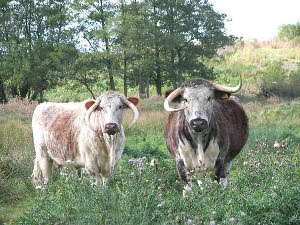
(258, 19)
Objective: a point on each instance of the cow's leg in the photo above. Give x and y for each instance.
(41, 171)
(46, 166)
(222, 172)
(105, 181)
(93, 171)
(183, 176)
(42, 164)
(36, 173)
(106, 172)
(181, 170)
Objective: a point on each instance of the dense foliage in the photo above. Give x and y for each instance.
(290, 32)
(46, 43)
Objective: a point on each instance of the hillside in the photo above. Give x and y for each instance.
(268, 68)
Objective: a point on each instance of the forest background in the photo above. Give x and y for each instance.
(73, 50)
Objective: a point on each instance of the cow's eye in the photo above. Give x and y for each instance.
(120, 107)
(185, 100)
(100, 108)
(209, 98)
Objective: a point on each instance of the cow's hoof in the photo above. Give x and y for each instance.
(224, 183)
(187, 190)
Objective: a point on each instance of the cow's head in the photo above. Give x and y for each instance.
(109, 109)
(196, 98)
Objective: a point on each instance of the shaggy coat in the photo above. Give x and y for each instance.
(61, 134)
(216, 146)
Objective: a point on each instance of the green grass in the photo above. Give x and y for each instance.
(272, 66)
(263, 189)
(264, 180)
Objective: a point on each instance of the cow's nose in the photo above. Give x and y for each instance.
(111, 128)
(198, 124)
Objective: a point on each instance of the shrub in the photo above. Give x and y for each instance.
(281, 79)
(289, 32)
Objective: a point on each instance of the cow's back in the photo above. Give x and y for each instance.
(54, 129)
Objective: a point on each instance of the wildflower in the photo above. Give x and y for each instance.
(152, 163)
(199, 182)
(214, 212)
(231, 220)
(212, 222)
(138, 163)
(132, 174)
(189, 221)
(159, 205)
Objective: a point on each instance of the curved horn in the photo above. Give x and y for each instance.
(88, 114)
(227, 89)
(170, 98)
(134, 110)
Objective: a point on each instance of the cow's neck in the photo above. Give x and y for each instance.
(198, 140)
(201, 149)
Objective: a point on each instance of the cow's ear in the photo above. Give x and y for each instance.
(134, 100)
(177, 99)
(222, 95)
(89, 103)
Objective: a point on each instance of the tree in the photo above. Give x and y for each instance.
(132, 42)
(152, 42)
(289, 31)
(193, 30)
(96, 25)
(30, 31)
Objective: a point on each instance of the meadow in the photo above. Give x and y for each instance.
(263, 185)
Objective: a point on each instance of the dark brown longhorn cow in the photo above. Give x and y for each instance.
(207, 129)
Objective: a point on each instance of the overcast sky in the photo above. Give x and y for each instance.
(258, 19)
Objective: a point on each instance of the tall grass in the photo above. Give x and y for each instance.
(264, 180)
(16, 158)
(263, 185)
(270, 68)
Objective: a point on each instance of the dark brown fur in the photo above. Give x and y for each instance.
(228, 125)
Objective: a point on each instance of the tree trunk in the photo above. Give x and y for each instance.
(125, 75)
(172, 69)
(2, 92)
(180, 66)
(41, 96)
(24, 89)
(147, 89)
(107, 48)
(158, 81)
(14, 91)
(85, 83)
(142, 91)
(111, 76)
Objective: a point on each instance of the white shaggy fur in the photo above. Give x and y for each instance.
(61, 134)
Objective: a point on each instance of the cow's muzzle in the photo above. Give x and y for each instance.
(198, 124)
(111, 128)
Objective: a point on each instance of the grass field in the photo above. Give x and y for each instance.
(264, 180)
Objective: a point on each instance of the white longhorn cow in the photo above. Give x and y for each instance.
(86, 134)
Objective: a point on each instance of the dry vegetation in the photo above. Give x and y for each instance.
(264, 181)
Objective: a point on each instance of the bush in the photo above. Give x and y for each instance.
(281, 79)
(289, 32)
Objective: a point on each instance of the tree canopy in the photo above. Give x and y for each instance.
(143, 43)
